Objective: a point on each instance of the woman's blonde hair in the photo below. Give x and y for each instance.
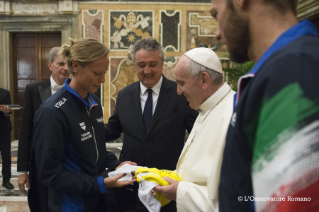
(84, 50)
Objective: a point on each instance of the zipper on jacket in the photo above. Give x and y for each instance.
(97, 151)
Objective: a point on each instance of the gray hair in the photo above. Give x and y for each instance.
(194, 68)
(53, 52)
(150, 45)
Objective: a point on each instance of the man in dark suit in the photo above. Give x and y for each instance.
(152, 116)
(5, 137)
(35, 95)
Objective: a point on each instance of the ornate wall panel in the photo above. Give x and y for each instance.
(201, 29)
(170, 30)
(169, 67)
(93, 24)
(122, 74)
(128, 26)
(177, 26)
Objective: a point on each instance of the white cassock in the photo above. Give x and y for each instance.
(200, 162)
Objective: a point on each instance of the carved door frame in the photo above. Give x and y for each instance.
(66, 24)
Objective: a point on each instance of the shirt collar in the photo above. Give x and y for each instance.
(214, 99)
(91, 101)
(54, 85)
(156, 88)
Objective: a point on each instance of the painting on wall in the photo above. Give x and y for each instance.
(93, 24)
(128, 26)
(170, 30)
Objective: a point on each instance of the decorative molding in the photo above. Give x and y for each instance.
(34, 9)
(146, 3)
(5, 8)
(65, 7)
(68, 7)
(307, 9)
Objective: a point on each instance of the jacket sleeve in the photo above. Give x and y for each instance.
(25, 136)
(112, 161)
(8, 98)
(113, 128)
(50, 137)
(5, 122)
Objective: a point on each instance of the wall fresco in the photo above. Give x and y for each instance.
(128, 26)
(93, 24)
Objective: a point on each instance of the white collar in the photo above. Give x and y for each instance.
(215, 98)
(54, 85)
(156, 88)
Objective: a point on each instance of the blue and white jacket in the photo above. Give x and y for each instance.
(70, 150)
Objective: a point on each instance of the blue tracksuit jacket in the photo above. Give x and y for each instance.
(70, 150)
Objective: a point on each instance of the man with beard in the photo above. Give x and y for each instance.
(271, 146)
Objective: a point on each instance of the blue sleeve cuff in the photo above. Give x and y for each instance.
(100, 181)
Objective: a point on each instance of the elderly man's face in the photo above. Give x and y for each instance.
(188, 85)
(59, 69)
(232, 30)
(148, 67)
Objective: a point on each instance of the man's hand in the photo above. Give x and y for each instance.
(5, 109)
(23, 181)
(169, 191)
(113, 181)
(128, 162)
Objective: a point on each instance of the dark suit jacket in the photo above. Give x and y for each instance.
(161, 146)
(5, 123)
(35, 95)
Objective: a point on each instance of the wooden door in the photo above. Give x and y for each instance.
(30, 58)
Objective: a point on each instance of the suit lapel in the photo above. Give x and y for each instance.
(45, 90)
(163, 99)
(136, 102)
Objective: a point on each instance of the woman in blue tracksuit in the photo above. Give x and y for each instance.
(69, 135)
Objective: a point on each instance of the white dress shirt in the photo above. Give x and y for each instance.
(54, 86)
(200, 162)
(156, 91)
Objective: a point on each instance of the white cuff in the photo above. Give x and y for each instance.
(23, 172)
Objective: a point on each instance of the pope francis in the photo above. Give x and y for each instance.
(199, 78)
